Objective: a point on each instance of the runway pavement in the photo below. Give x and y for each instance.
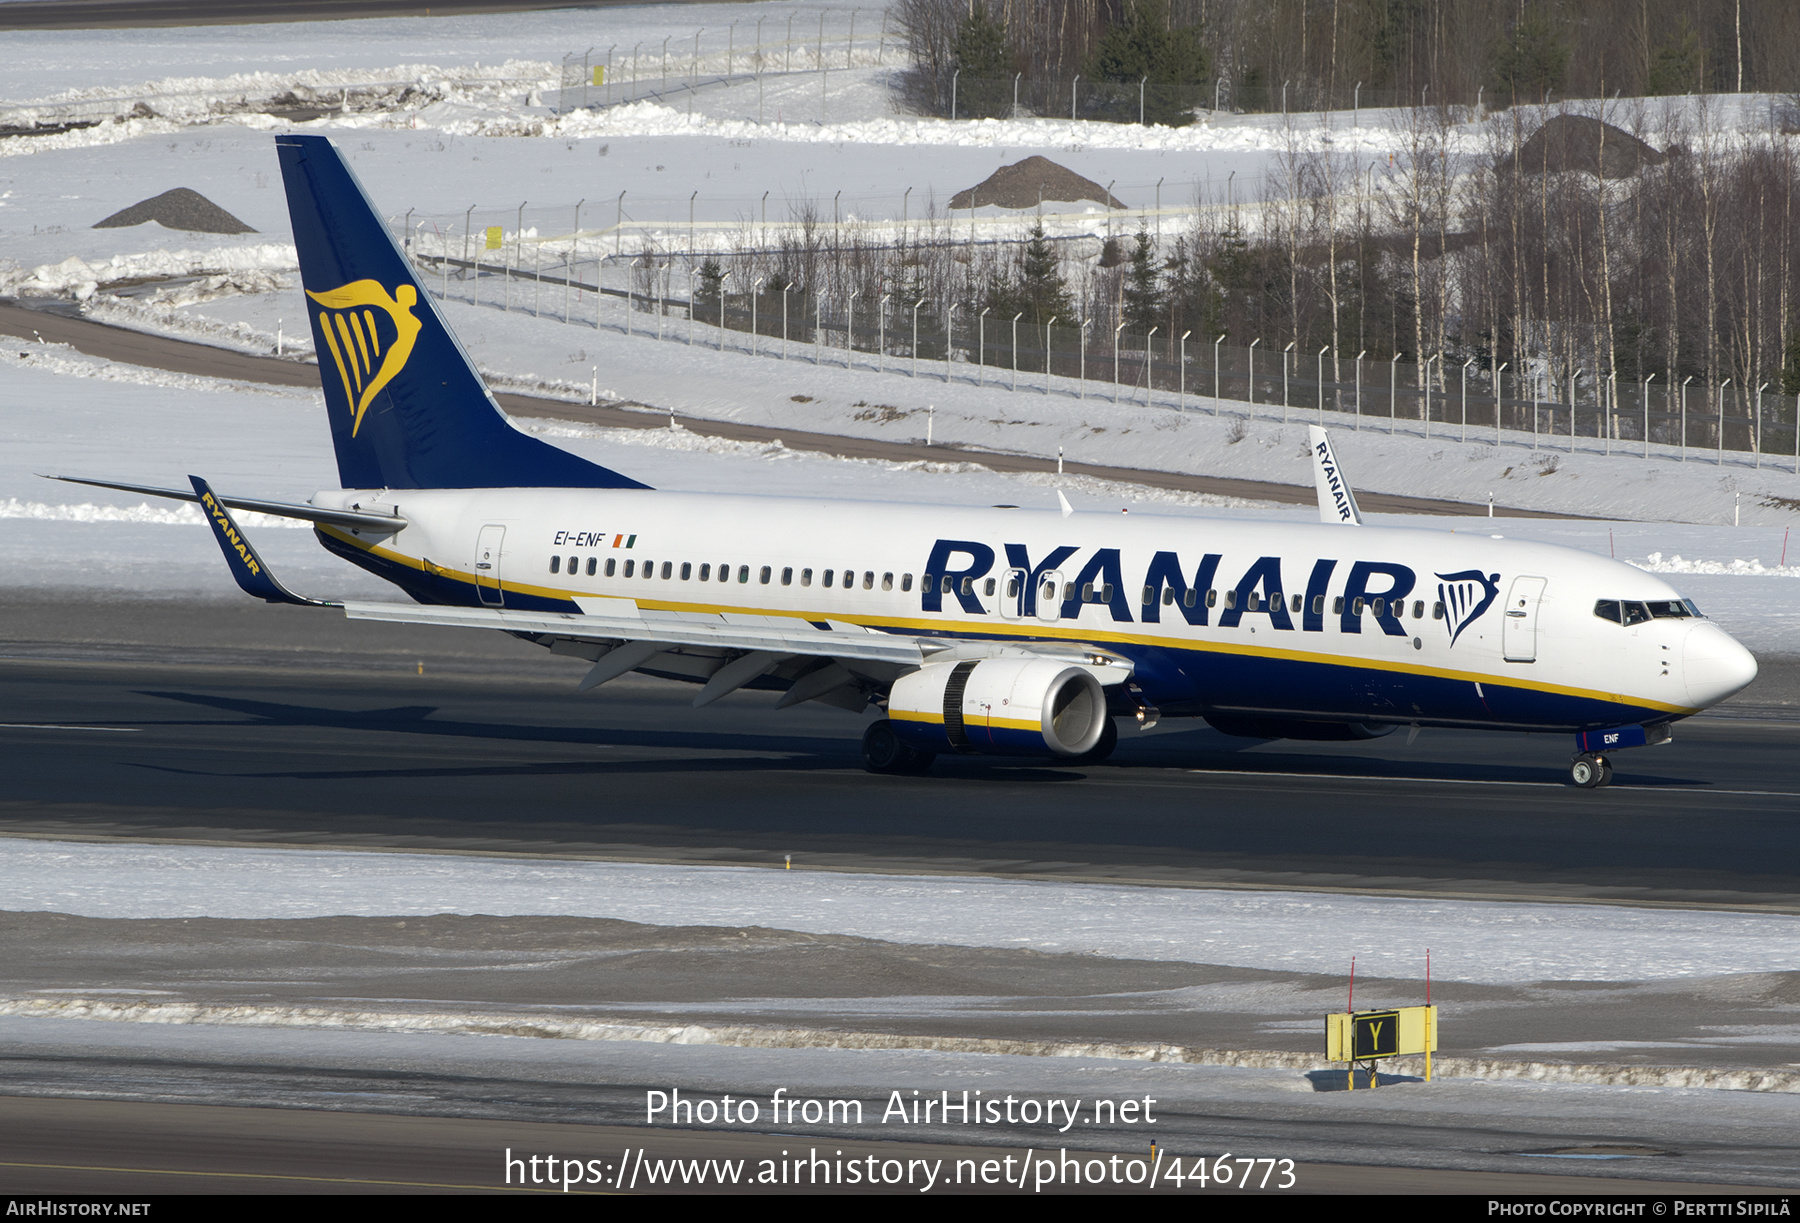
(238, 732)
(238, 723)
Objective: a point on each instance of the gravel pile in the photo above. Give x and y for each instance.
(1028, 183)
(1575, 142)
(181, 208)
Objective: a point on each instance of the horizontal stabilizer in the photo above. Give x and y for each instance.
(352, 519)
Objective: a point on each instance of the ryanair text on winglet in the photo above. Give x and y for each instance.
(230, 533)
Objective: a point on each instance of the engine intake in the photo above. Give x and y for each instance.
(999, 706)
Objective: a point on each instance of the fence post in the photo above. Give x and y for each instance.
(1181, 370)
(1497, 374)
(1149, 342)
(1116, 331)
(1722, 386)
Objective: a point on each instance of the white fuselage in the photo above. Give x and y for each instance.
(1452, 627)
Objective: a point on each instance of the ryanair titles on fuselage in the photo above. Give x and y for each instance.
(957, 566)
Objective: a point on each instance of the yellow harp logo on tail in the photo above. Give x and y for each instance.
(350, 323)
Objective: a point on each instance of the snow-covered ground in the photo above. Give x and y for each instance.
(480, 138)
(1472, 941)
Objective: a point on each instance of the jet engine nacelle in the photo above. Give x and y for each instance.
(1003, 706)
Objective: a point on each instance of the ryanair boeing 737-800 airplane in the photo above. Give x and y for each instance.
(1003, 630)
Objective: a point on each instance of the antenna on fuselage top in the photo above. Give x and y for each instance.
(1337, 503)
(1063, 501)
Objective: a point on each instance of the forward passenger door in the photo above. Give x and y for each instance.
(1518, 628)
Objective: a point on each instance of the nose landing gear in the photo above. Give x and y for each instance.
(1590, 770)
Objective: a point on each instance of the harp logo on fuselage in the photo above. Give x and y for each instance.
(370, 336)
(1465, 596)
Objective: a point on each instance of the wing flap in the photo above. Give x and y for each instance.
(797, 637)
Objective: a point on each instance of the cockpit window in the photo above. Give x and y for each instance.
(1693, 610)
(1626, 612)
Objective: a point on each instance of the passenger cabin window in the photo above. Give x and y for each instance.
(806, 577)
(629, 565)
(687, 570)
(887, 582)
(1318, 605)
(869, 580)
(592, 564)
(555, 564)
(906, 581)
(668, 570)
(724, 573)
(743, 575)
(705, 573)
(764, 575)
(825, 581)
(612, 566)
(787, 576)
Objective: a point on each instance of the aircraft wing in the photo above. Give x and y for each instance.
(794, 635)
(824, 660)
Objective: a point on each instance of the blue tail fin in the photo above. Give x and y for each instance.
(407, 408)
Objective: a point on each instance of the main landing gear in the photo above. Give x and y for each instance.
(883, 752)
(1590, 770)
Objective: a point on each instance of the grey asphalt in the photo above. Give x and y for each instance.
(245, 732)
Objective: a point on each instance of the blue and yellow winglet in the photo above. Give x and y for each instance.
(252, 575)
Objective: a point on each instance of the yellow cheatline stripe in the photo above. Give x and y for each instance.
(276, 1176)
(1038, 631)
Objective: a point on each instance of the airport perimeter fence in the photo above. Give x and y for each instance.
(673, 70)
(1441, 399)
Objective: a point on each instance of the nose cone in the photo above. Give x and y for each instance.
(1714, 666)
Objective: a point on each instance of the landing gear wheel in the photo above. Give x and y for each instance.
(1109, 741)
(1590, 771)
(883, 752)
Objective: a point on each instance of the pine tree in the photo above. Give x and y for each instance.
(1532, 60)
(1167, 59)
(1679, 63)
(1143, 293)
(712, 283)
(1043, 294)
(980, 55)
